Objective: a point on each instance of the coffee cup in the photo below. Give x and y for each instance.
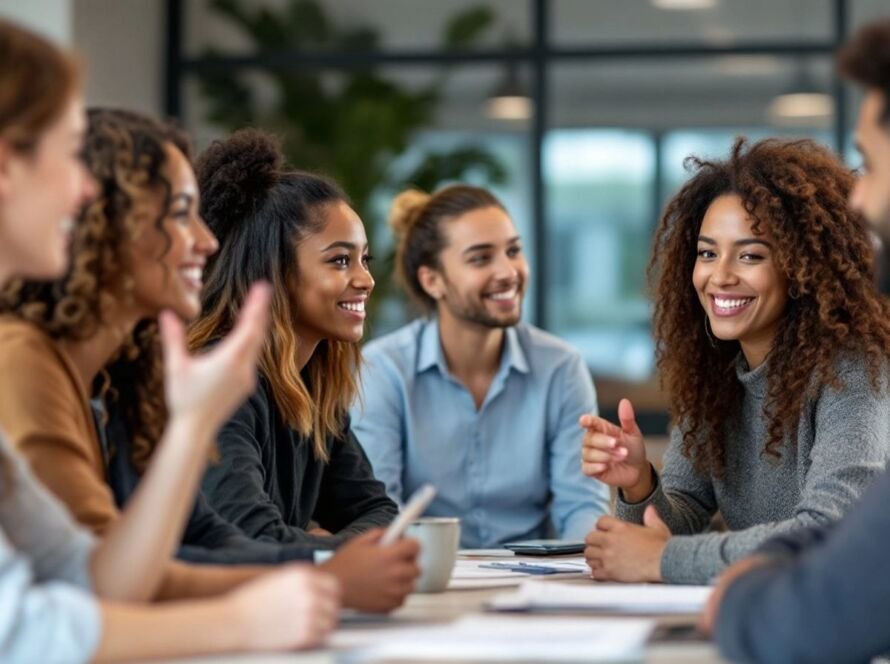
(439, 538)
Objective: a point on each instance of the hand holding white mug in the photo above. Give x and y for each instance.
(617, 455)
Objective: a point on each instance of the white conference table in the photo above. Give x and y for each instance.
(442, 608)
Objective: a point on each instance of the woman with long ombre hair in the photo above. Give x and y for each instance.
(49, 567)
(290, 468)
(772, 343)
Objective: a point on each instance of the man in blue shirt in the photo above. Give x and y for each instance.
(470, 399)
(823, 594)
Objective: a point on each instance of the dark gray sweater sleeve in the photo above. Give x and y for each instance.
(235, 485)
(209, 538)
(352, 500)
(829, 605)
(684, 499)
(850, 449)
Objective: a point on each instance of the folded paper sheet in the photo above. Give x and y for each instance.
(614, 598)
(503, 638)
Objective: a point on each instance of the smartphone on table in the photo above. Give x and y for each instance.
(545, 547)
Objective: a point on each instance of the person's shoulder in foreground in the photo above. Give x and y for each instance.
(828, 604)
(44, 571)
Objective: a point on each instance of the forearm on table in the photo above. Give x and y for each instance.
(136, 632)
(184, 581)
(699, 558)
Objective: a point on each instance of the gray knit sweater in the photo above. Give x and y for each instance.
(843, 443)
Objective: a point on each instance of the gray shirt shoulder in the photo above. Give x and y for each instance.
(47, 613)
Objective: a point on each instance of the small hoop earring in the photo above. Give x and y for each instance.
(793, 292)
(710, 336)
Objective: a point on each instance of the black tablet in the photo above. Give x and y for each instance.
(545, 547)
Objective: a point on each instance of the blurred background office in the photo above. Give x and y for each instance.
(577, 113)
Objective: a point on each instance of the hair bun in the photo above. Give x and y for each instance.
(234, 175)
(405, 210)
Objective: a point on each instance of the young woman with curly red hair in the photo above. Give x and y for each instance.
(774, 359)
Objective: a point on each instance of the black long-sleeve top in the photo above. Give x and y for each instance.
(269, 483)
(208, 537)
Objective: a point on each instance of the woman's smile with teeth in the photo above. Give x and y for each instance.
(724, 306)
(358, 307)
(726, 303)
(192, 274)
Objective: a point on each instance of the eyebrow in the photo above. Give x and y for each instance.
(487, 245)
(738, 243)
(341, 244)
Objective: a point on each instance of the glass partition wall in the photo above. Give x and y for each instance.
(577, 113)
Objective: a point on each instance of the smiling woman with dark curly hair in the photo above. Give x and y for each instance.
(772, 343)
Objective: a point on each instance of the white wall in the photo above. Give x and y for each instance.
(122, 42)
(51, 18)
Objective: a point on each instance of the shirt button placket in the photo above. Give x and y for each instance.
(478, 481)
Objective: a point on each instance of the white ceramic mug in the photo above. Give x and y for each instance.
(439, 537)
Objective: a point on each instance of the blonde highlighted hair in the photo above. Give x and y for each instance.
(260, 212)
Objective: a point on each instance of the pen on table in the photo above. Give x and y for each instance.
(521, 567)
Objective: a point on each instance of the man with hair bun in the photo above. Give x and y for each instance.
(822, 594)
(468, 398)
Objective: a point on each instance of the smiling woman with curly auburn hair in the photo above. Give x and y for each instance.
(772, 344)
(93, 333)
(127, 155)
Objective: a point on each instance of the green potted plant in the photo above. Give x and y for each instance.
(352, 124)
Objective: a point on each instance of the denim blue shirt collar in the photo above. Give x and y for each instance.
(419, 424)
(430, 353)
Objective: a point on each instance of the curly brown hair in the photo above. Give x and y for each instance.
(798, 190)
(125, 153)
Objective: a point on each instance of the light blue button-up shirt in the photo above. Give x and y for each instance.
(511, 468)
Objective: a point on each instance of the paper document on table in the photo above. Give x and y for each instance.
(620, 598)
(498, 638)
(468, 575)
(472, 574)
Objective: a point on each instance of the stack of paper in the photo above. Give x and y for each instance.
(602, 597)
(514, 639)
